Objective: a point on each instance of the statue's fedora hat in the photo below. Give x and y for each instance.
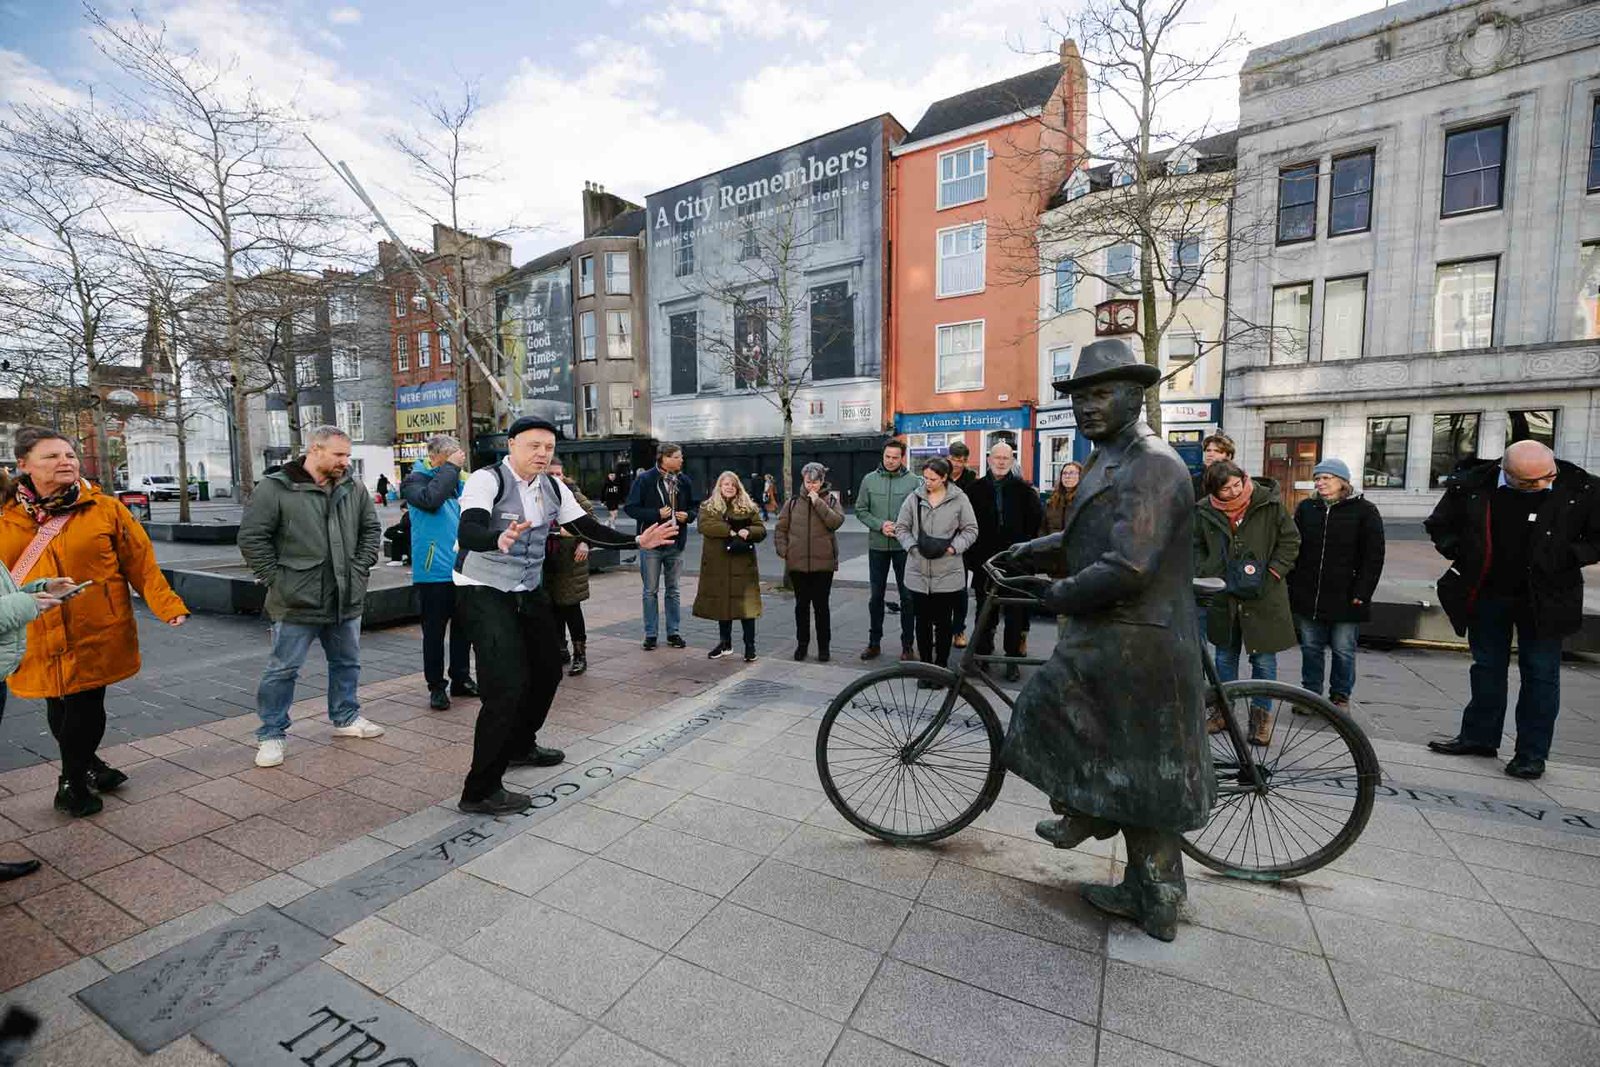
(1111, 360)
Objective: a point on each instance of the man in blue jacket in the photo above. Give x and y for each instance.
(662, 494)
(433, 489)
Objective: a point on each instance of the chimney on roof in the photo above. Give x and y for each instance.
(601, 208)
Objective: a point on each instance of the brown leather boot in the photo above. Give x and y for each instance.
(1260, 727)
(1215, 723)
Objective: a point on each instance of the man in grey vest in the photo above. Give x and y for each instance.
(507, 513)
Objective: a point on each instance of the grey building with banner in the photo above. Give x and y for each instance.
(797, 233)
(533, 319)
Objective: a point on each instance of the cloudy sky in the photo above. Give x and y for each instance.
(636, 94)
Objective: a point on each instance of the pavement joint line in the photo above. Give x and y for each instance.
(209, 975)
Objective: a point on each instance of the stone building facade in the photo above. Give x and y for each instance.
(363, 373)
(1429, 179)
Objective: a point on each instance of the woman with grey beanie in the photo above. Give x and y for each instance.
(806, 543)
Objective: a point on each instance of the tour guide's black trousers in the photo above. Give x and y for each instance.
(519, 667)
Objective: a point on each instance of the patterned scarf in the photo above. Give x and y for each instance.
(1236, 509)
(43, 509)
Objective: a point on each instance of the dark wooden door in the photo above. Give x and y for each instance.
(1293, 450)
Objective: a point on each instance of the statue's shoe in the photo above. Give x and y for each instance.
(1117, 900)
(1160, 921)
(1070, 831)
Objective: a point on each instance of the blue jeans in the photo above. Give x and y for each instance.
(878, 563)
(1539, 698)
(1316, 638)
(1263, 665)
(341, 643)
(653, 564)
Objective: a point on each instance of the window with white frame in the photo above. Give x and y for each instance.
(419, 300)
(585, 275)
(1463, 304)
(1121, 260)
(278, 429)
(749, 239)
(827, 217)
(591, 409)
(683, 248)
(402, 354)
(1060, 365)
(1183, 362)
(960, 357)
(310, 416)
(1186, 263)
(618, 280)
(1066, 282)
(1586, 322)
(621, 407)
(586, 335)
(399, 304)
(446, 356)
(961, 259)
(424, 349)
(1291, 322)
(341, 309)
(963, 175)
(306, 370)
(348, 417)
(619, 335)
(346, 362)
(1344, 317)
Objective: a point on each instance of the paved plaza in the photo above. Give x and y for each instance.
(685, 894)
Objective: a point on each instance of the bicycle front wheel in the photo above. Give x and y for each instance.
(864, 761)
(1319, 774)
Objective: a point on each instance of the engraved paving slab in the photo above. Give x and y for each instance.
(170, 994)
(321, 1018)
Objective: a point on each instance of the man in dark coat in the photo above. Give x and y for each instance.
(1009, 512)
(1112, 728)
(1518, 533)
(963, 477)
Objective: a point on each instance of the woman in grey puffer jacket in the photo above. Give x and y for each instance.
(935, 526)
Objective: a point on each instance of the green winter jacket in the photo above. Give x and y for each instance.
(312, 548)
(17, 610)
(1268, 533)
(879, 501)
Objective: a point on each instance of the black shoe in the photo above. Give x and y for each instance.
(105, 779)
(468, 688)
(8, 871)
(539, 756)
(76, 799)
(649, 644)
(580, 659)
(566, 655)
(892, 607)
(750, 654)
(822, 654)
(676, 641)
(719, 650)
(500, 802)
(800, 653)
(1457, 747)
(438, 699)
(1013, 672)
(871, 652)
(1525, 767)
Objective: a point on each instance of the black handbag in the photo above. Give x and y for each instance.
(1246, 576)
(929, 546)
(736, 545)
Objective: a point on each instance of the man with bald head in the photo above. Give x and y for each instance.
(1009, 512)
(1518, 532)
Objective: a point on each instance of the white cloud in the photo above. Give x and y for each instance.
(344, 16)
(707, 21)
(23, 81)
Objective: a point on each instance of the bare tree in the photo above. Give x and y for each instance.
(187, 136)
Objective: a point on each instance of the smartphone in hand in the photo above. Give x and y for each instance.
(75, 590)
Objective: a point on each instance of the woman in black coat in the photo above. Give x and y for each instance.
(1330, 589)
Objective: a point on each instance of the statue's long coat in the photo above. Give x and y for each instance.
(1114, 724)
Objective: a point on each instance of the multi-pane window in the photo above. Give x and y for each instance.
(306, 370)
(960, 357)
(310, 416)
(1463, 304)
(342, 309)
(1186, 263)
(621, 407)
(402, 354)
(963, 175)
(1474, 169)
(827, 220)
(1066, 279)
(1455, 443)
(1119, 265)
(683, 248)
(1350, 194)
(1297, 203)
(591, 409)
(586, 335)
(399, 304)
(961, 259)
(683, 353)
(346, 362)
(1183, 361)
(618, 280)
(833, 331)
(445, 355)
(750, 350)
(1536, 425)
(585, 275)
(1291, 322)
(424, 349)
(1593, 184)
(1386, 452)
(1587, 314)
(419, 299)
(347, 415)
(619, 335)
(1344, 317)
(278, 428)
(1060, 364)
(749, 239)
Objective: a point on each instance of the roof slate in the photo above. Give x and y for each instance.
(987, 102)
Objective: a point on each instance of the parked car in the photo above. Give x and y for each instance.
(164, 487)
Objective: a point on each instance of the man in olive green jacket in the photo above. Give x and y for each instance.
(310, 534)
(878, 506)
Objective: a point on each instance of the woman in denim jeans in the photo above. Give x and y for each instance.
(1330, 591)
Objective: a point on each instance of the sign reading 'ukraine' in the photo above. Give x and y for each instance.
(426, 408)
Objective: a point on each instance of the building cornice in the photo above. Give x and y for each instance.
(965, 132)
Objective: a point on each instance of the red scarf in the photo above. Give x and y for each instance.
(1234, 511)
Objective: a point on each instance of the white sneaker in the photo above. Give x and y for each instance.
(359, 727)
(270, 753)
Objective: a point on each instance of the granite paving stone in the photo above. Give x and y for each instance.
(451, 909)
(1278, 916)
(762, 794)
(694, 1016)
(599, 1047)
(159, 938)
(672, 772)
(155, 777)
(81, 917)
(279, 781)
(152, 890)
(1119, 1051)
(50, 998)
(1398, 1054)
(500, 1019)
(959, 1024)
(40, 881)
(1584, 982)
(630, 902)
(730, 824)
(1474, 920)
(678, 857)
(567, 960)
(633, 797)
(859, 859)
(1528, 892)
(820, 902)
(400, 797)
(1556, 864)
(525, 864)
(585, 827)
(1046, 912)
(420, 824)
(381, 955)
(1434, 873)
(268, 842)
(1032, 861)
(336, 815)
(279, 890)
(233, 797)
(352, 856)
(31, 949)
(213, 864)
(80, 849)
(165, 820)
(856, 1049)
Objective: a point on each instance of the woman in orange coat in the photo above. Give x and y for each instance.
(54, 524)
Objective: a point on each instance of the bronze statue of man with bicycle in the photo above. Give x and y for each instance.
(1112, 727)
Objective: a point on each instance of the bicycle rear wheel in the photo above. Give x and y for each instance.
(1320, 779)
(862, 755)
